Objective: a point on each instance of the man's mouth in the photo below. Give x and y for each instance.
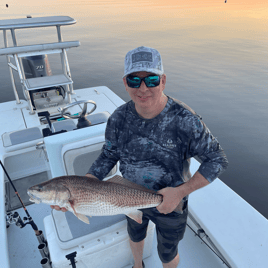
(143, 97)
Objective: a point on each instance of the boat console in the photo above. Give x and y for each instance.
(41, 89)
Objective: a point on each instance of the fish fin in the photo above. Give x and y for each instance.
(82, 217)
(122, 181)
(136, 216)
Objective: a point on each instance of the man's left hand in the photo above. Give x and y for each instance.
(171, 199)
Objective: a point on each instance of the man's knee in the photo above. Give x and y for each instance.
(137, 232)
(168, 254)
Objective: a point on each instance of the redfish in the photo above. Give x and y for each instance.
(85, 196)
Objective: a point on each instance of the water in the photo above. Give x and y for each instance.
(214, 55)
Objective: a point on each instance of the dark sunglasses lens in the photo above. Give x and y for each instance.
(152, 81)
(133, 81)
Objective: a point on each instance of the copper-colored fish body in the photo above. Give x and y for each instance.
(91, 197)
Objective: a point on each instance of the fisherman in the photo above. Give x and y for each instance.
(153, 136)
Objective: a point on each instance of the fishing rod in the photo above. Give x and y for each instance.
(31, 222)
(22, 223)
(45, 262)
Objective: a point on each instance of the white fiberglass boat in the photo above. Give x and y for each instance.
(47, 135)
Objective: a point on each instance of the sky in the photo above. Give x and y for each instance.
(252, 14)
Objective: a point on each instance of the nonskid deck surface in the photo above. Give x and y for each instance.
(23, 251)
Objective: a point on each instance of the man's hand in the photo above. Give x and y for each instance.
(173, 196)
(63, 209)
(59, 208)
(171, 199)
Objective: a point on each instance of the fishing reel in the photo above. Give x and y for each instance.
(14, 218)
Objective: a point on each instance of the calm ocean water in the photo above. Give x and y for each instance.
(214, 55)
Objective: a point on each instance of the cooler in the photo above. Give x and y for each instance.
(104, 243)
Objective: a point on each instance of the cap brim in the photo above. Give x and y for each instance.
(152, 70)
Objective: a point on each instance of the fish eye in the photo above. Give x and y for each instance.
(39, 189)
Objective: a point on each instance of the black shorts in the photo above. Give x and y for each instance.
(170, 229)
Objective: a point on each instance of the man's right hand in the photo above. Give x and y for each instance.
(63, 209)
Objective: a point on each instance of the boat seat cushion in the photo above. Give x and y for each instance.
(68, 125)
(21, 136)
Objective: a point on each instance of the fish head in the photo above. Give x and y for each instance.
(49, 192)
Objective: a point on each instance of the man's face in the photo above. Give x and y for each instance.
(146, 97)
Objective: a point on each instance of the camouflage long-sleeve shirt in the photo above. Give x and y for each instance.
(156, 152)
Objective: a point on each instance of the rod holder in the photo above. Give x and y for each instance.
(41, 239)
(43, 249)
(45, 263)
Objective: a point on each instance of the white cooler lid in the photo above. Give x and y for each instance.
(71, 232)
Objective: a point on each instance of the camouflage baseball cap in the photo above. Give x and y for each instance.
(143, 59)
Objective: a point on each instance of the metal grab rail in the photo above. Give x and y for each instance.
(41, 47)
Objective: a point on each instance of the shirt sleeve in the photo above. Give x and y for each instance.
(109, 155)
(206, 147)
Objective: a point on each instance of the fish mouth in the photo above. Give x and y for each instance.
(34, 198)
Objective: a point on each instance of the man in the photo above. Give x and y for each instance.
(153, 137)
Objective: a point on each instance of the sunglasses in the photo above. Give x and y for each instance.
(150, 81)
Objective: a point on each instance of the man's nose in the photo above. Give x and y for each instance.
(143, 87)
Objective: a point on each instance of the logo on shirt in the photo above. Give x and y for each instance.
(169, 144)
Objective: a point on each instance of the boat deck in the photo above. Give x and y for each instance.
(24, 252)
(225, 227)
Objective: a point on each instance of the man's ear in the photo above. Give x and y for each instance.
(164, 79)
(163, 82)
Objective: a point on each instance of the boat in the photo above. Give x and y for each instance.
(56, 131)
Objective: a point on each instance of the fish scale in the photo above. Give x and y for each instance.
(86, 196)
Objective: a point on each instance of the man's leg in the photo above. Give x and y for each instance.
(170, 230)
(173, 264)
(137, 251)
(137, 233)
